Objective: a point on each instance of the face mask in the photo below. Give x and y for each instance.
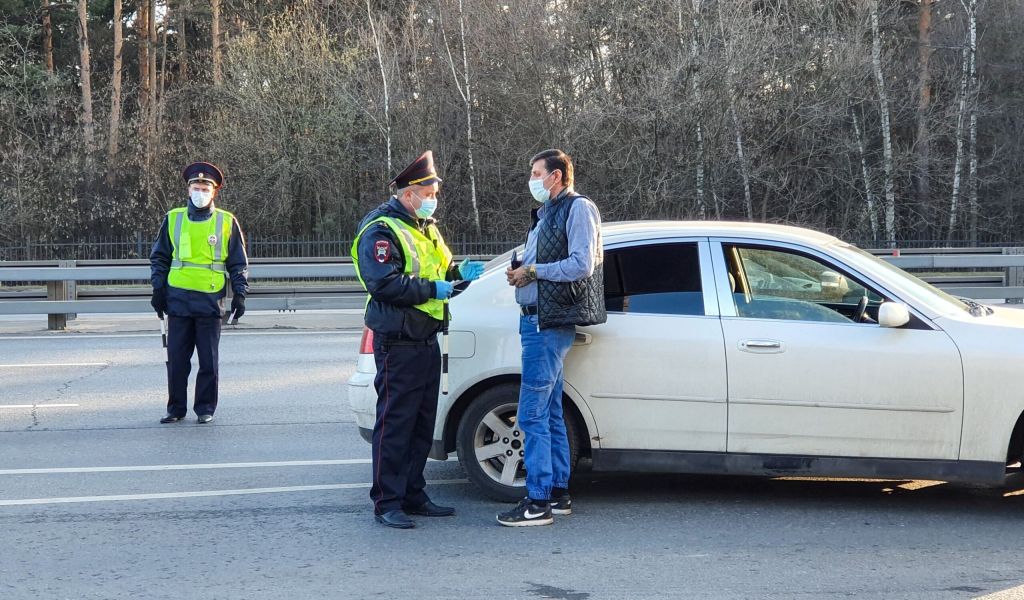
(200, 199)
(427, 207)
(540, 193)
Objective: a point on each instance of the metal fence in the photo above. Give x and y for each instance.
(139, 245)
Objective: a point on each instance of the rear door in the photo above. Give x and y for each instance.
(654, 375)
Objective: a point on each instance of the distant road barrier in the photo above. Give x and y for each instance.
(336, 286)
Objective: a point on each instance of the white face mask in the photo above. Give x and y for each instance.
(200, 199)
(540, 193)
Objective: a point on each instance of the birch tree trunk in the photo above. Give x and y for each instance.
(695, 86)
(922, 144)
(465, 92)
(386, 129)
(954, 200)
(883, 100)
(215, 47)
(972, 175)
(48, 37)
(115, 96)
(88, 124)
(870, 195)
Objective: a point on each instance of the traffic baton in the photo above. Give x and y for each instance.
(163, 332)
(444, 350)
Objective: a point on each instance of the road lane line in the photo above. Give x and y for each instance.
(207, 494)
(240, 465)
(33, 365)
(90, 336)
(38, 405)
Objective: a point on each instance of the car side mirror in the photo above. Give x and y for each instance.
(893, 314)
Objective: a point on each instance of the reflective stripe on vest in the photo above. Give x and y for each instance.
(202, 269)
(426, 256)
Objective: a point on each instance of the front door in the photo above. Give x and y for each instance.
(811, 373)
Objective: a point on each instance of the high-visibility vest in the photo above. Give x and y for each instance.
(426, 256)
(200, 250)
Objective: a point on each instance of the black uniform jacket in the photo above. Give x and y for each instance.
(393, 294)
(187, 303)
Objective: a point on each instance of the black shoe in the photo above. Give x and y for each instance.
(171, 419)
(526, 514)
(561, 504)
(205, 418)
(429, 509)
(396, 519)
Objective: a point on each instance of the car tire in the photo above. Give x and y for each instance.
(488, 422)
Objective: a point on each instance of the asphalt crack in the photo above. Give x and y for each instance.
(60, 394)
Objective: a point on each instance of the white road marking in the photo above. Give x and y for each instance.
(38, 405)
(206, 494)
(33, 365)
(156, 334)
(242, 465)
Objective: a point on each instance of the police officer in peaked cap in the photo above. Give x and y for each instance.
(199, 252)
(407, 270)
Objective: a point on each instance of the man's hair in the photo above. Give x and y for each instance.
(556, 159)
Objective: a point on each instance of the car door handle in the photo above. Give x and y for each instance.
(764, 346)
(582, 339)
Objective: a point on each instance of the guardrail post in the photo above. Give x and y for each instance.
(60, 291)
(1014, 275)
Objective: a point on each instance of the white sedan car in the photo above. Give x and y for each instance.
(745, 349)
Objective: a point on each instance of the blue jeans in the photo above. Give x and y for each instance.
(540, 406)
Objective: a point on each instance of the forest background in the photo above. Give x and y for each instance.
(875, 120)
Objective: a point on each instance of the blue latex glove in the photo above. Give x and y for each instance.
(443, 289)
(471, 270)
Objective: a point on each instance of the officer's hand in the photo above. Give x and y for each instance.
(159, 301)
(471, 270)
(442, 289)
(237, 306)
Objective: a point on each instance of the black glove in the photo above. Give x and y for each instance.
(159, 301)
(237, 306)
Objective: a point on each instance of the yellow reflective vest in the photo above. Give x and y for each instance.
(426, 256)
(200, 250)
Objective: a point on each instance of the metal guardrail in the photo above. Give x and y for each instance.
(1004, 279)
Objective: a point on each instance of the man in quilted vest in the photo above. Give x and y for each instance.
(559, 285)
(199, 252)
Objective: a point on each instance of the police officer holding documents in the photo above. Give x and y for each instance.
(403, 263)
(199, 251)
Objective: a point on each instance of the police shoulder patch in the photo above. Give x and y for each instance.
(382, 251)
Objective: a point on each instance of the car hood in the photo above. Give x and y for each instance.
(1001, 317)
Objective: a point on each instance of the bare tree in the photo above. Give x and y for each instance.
(115, 96)
(142, 35)
(744, 169)
(215, 47)
(467, 99)
(182, 40)
(695, 86)
(958, 159)
(972, 182)
(924, 95)
(85, 77)
(386, 126)
(883, 101)
(47, 37)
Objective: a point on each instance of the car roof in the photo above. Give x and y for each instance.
(618, 231)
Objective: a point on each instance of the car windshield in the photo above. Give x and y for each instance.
(504, 260)
(910, 280)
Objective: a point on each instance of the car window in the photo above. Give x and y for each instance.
(773, 283)
(655, 278)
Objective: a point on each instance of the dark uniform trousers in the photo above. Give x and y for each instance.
(407, 382)
(184, 336)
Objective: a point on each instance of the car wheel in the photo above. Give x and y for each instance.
(490, 444)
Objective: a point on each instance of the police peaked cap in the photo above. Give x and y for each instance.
(205, 172)
(420, 172)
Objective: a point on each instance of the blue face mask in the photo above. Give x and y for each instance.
(540, 193)
(427, 207)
